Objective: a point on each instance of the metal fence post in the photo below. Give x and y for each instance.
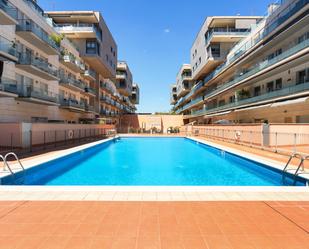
(30, 139)
(44, 141)
(65, 137)
(55, 138)
(276, 142)
(295, 140)
(11, 141)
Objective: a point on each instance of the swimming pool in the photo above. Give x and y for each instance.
(151, 162)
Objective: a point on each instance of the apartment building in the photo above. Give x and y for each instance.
(183, 83)
(261, 78)
(135, 94)
(57, 66)
(124, 83)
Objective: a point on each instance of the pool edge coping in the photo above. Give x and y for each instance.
(160, 189)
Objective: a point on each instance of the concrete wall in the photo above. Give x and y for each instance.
(273, 135)
(161, 122)
(18, 134)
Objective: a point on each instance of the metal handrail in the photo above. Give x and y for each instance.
(286, 169)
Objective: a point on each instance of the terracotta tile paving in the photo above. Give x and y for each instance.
(154, 225)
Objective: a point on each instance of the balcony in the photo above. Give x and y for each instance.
(89, 74)
(90, 91)
(7, 50)
(37, 95)
(71, 62)
(259, 67)
(278, 19)
(37, 66)
(8, 13)
(270, 97)
(225, 35)
(193, 103)
(72, 84)
(107, 87)
(72, 105)
(8, 88)
(89, 108)
(32, 33)
(79, 31)
(106, 100)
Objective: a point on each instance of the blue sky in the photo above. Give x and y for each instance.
(155, 37)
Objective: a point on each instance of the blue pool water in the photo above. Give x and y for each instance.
(152, 162)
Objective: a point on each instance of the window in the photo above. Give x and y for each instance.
(278, 84)
(215, 49)
(270, 86)
(303, 37)
(92, 47)
(300, 77)
(257, 91)
(232, 99)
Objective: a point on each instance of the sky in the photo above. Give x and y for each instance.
(155, 37)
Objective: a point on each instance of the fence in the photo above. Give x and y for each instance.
(280, 142)
(30, 142)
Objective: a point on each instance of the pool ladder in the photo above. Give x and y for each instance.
(7, 165)
(300, 169)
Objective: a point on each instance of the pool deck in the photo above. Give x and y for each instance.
(140, 193)
(154, 225)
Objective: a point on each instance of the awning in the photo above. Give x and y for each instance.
(290, 102)
(253, 107)
(217, 114)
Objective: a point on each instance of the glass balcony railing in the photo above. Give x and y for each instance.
(261, 66)
(37, 93)
(107, 87)
(8, 8)
(72, 103)
(90, 73)
(30, 26)
(89, 108)
(90, 90)
(42, 64)
(72, 82)
(190, 104)
(33, 5)
(72, 59)
(8, 46)
(242, 47)
(225, 31)
(78, 27)
(284, 92)
(7, 85)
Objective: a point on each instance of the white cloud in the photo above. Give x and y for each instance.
(167, 30)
